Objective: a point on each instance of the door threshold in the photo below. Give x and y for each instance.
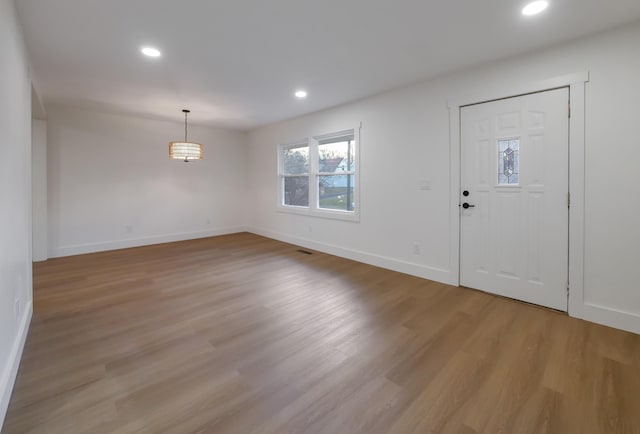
(550, 309)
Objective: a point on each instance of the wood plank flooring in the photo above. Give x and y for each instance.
(242, 334)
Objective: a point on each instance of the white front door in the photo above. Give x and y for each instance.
(514, 219)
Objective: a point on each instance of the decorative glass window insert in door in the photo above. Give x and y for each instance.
(508, 161)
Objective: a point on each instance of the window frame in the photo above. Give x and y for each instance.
(314, 174)
(304, 143)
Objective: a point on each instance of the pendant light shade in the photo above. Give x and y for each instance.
(186, 150)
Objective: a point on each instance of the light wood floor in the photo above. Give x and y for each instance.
(242, 334)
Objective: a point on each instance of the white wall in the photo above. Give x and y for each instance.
(15, 194)
(39, 188)
(112, 185)
(405, 139)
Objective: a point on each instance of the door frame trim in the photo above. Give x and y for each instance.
(576, 83)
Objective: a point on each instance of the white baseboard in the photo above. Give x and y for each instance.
(80, 249)
(424, 271)
(611, 317)
(8, 378)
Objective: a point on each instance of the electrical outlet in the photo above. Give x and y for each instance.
(310, 228)
(129, 228)
(416, 248)
(16, 308)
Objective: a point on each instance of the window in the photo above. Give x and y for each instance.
(295, 174)
(336, 173)
(318, 176)
(508, 161)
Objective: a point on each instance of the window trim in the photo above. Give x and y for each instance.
(314, 209)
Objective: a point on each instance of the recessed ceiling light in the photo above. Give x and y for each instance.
(535, 7)
(150, 51)
(301, 94)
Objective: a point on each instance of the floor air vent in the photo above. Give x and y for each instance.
(306, 252)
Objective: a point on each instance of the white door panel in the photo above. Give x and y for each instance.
(515, 166)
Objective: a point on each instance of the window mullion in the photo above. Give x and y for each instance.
(313, 174)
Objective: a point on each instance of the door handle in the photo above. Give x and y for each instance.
(466, 205)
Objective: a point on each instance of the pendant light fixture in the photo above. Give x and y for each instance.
(185, 151)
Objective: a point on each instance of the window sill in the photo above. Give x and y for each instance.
(321, 213)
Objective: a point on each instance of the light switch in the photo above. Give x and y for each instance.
(425, 184)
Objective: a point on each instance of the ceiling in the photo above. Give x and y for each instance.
(236, 63)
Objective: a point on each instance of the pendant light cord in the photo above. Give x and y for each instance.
(185, 124)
